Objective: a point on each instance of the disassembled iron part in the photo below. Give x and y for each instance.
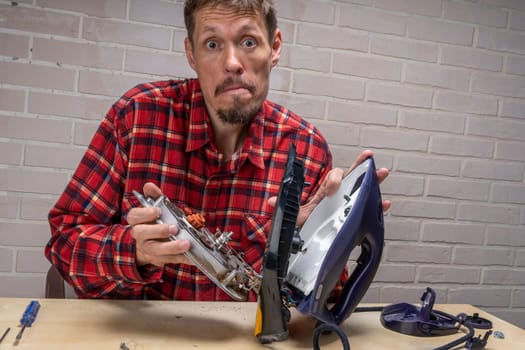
(209, 252)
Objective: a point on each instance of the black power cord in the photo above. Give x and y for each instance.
(471, 342)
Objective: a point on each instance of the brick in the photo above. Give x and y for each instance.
(37, 76)
(510, 151)
(83, 107)
(483, 256)
(475, 13)
(97, 8)
(395, 273)
(329, 37)
(498, 128)
(510, 4)
(12, 100)
(105, 30)
(460, 146)
(417, 7)
(401, 229)
(300, 57)
(367, 67)
(307, 11)
(501, 40)
(520, 258)
(24, 234)
(410, 293)
(84, 133)
(508, 193)
(305, 107)
(427, 164)
(452, 232)
(15, 46)
(495, 170)
(74, 53)
(23, 180)
(385, 138)
(417, 253)
(157, 12)
(372, 20)
(361, 113)
(23, 286)
(471, 58)
(506, 235)
(480, 296)
(168, 65)
(402, 48)
(31, 261)
(518, 298)
(344, 156)
(371, 295)
(65, 157)
(406, 185)
(504, 276)
(438, 76)
(457, 189)
(39, 21)
(11, 153)
(35, 129)
(323, 85)
(423, 209)
(6, 259)
(456, 101)
(9, 207)
(515, 65)
(399, 95)
(491, 83)
(517, 20)
(177, 44)
(98, 83)
(513, 109)
(339, 134)
(440, 31)
(449, 274)
(488, 213)
(432, 121)
(36, 208)
(280, 80)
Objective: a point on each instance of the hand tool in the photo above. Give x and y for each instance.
(5, 333)
(28, 318)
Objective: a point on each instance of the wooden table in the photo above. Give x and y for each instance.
(104, 324)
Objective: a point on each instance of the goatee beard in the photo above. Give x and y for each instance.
(239, 113)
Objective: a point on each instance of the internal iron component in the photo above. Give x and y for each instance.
(209, 251)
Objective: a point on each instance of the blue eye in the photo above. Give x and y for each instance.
(249, 42)
(211, 44)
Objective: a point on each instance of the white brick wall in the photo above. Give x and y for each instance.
(435, 87)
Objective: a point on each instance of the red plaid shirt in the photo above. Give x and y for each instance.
(160, 132)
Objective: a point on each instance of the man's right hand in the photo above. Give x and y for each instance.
(153, 245)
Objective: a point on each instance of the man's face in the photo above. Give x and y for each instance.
(233, 58)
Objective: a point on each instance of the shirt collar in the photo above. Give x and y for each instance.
(199, 129)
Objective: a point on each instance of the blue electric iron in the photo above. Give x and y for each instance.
(316, 256)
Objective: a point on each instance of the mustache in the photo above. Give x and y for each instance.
(230, 81)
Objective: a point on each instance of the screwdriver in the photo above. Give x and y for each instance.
(28, 318)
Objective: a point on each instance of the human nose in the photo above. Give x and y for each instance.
(232, 63)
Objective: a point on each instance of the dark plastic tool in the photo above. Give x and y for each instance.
(421, 322)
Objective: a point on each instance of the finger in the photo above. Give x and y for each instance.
(143, 215)
(144, 232)
(382, 174)
(272, 201)
(360, 159)
(386, 205)
(158, 252)
(152, 190)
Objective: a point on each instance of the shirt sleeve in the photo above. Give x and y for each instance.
(90, 243)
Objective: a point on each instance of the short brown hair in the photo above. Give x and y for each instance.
(265, 7)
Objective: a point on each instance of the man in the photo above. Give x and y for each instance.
(212, 144)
